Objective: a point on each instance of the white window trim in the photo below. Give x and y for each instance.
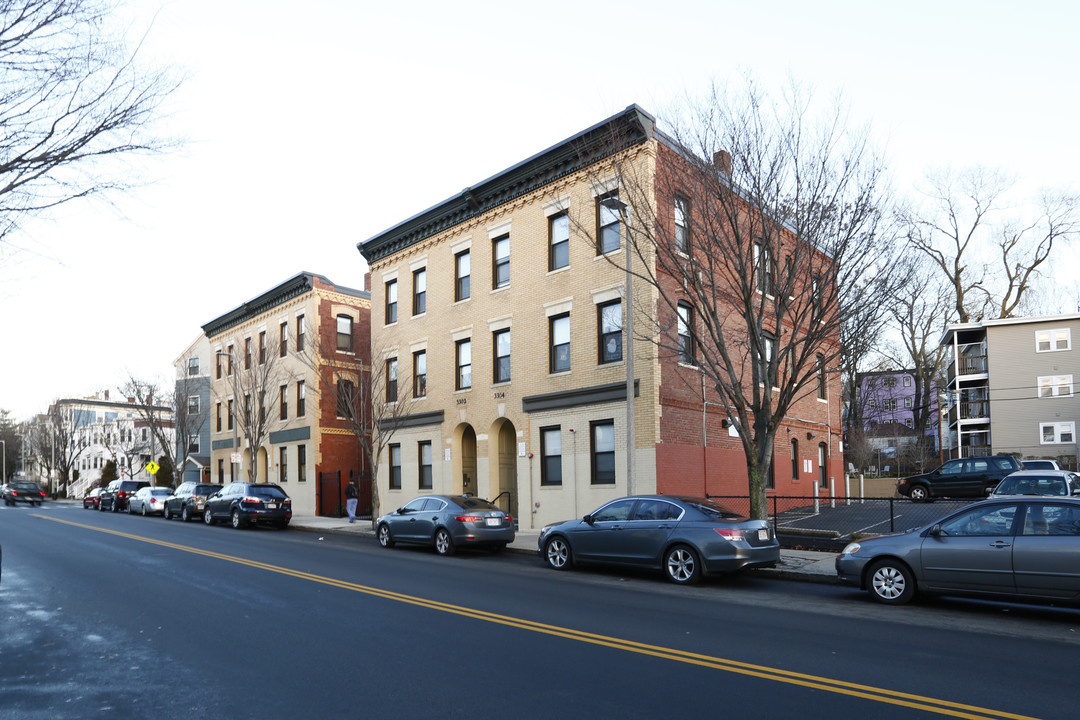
(603, 296)
(463, 333)
(497, 231)
(557, 206)
(1050, 336)
(461, 246)
(559, 307)
(1067, 382)
(500, 323)
(1070, 427)
(418, 264)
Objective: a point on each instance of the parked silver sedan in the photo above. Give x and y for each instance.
(1039, 482)
(686, 537)
(149, 501)
(1011, 546)
(447, 522)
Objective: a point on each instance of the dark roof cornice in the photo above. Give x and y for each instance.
(293, 287)
(632, 126)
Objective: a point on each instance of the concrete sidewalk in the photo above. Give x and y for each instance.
(802, 565)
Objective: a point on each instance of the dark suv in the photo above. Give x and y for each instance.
(189, 500)
(964, 477)
(117, 496)
(26, 491)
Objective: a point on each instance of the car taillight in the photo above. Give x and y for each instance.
(252, 499)
(509, 518)
(467, 518)
(287, 501)
(153, 500)
(730, 533)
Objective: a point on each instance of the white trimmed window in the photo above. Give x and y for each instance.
(1053, 340)
(1057, 433)
(1055, 386)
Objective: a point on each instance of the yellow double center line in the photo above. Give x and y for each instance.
(867, 692)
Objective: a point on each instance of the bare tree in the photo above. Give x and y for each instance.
(189, 420)
(74, 99)
(126, 444)
(780, 229)
(991, 254)
(366, 397)
(920, 312)
(155, 410)
(62, 441)
(253, 381)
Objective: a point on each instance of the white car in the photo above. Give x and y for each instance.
(1040, 464)
(1055, 483)
(149, 501)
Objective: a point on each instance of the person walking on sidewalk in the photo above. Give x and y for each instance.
(352, 496)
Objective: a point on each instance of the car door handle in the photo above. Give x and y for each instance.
(1000, 544)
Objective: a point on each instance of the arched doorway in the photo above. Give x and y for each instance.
(262, 476)
(463, 459)
(502, 447)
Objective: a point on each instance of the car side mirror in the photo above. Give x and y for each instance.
(401, 511)
(588, 519)
(935, 531)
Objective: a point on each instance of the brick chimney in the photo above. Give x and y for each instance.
(722, 160)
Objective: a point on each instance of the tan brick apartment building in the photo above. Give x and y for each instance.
(265, 353)
(502, 332)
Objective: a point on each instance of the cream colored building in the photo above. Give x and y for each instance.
(264, 355)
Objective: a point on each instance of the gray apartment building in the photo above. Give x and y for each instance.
(1010, 388)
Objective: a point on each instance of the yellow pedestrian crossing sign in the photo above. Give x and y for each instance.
(152, 467)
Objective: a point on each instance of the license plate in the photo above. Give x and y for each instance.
(271, 506)
(494, 522)
(762, 534)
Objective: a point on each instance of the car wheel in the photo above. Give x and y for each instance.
(165, 513)
(207, 517)
(681, 565)
(185, 514)
(444, 545)
(143, 513)
(115, 506)
(891, 582)
(385, 538)
(557, 553)
(919, 493)
(237, 521)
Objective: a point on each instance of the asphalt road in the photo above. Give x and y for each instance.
(112, 616)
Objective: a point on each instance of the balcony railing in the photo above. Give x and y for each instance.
(972, 364)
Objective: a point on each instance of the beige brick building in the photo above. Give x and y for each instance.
(264, 356)
(499, 324)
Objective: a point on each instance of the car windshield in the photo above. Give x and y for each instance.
(1031, 485)
(25, 486)
(712, 510)
(472, 503)
(160, 491)
(205, 489)
(269, 491)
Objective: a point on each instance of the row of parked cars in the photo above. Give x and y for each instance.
(684, 537)
(238, 503)
(1023, 540)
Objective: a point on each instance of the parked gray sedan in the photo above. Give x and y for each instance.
(447, 522)
(149, 501)
(1039, 482)
(1013, 546)
(685, 536)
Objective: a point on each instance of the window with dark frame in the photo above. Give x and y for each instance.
(283, 465)
(420, 373)
(687, 354)
(682, 227)
(193, 366)
(551, 455)
(821, 385)
(794, 459)
(608, 215)
(283, 402)
(610, 328)
(193, 404)
(501, 345)
(558, 241)
(463, 361)
(462, 275)
(395, 466)
(500, 262)
(345, 398)
(283, 340)
(763, 268)
(344, 333)
(602, 451)
(301, 398)
(262, 347)
(559, 331)
(218, 418)
(300, 333)
(247, 353)
(390, 315)
(423, 452)
(419, 298)
(301, 463)
(391, 379)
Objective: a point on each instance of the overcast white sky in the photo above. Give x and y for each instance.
(313, 126)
